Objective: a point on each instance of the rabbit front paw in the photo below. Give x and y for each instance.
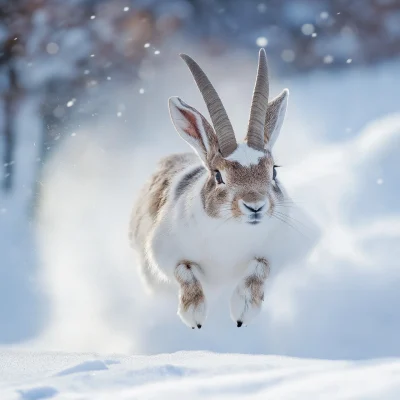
(194, 314)
(248, 295)
(246, 303)
(192, 307)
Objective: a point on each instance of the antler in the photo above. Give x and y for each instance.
(259, 104)
(223, 127)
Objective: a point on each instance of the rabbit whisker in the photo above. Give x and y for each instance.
(278, 217)
(293, 220)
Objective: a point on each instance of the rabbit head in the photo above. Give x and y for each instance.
(242, 182)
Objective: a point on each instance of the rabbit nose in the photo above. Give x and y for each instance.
(254, 207)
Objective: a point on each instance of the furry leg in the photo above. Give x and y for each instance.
(249, 293)
(192, 302)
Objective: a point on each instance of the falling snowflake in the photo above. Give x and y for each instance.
(288, 55)
(324, 15)
(307, 29)
(262, 8)
(71, 103)
(52, 48)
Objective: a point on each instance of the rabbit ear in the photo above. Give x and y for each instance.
(192, 127)
(274, 119)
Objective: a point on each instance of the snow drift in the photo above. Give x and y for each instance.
(194, 375)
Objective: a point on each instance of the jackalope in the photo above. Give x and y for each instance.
(207, 217)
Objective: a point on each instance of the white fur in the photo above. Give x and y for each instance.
(245, 155)
(241, 306)
(193, 316)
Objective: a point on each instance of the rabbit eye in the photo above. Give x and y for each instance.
(274, 173)
(218, 177)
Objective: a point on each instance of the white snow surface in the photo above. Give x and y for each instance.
(193, 375)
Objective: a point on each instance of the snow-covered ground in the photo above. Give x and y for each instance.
(194, 375)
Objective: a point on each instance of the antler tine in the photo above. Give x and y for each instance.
(223, 127)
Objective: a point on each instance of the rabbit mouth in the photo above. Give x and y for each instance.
(254, 219)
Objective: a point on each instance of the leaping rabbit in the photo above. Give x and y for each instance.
(206, 218)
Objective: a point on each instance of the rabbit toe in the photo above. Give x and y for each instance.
(194, 314)
(245, 304)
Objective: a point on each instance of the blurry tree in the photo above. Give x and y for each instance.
(10, 93)
(58, 52)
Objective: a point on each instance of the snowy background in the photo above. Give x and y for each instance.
(84, 119)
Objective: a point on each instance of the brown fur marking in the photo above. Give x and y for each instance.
(188, 180)
(255, 282)
(158, 187)
(191, 290)
(160, 194)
